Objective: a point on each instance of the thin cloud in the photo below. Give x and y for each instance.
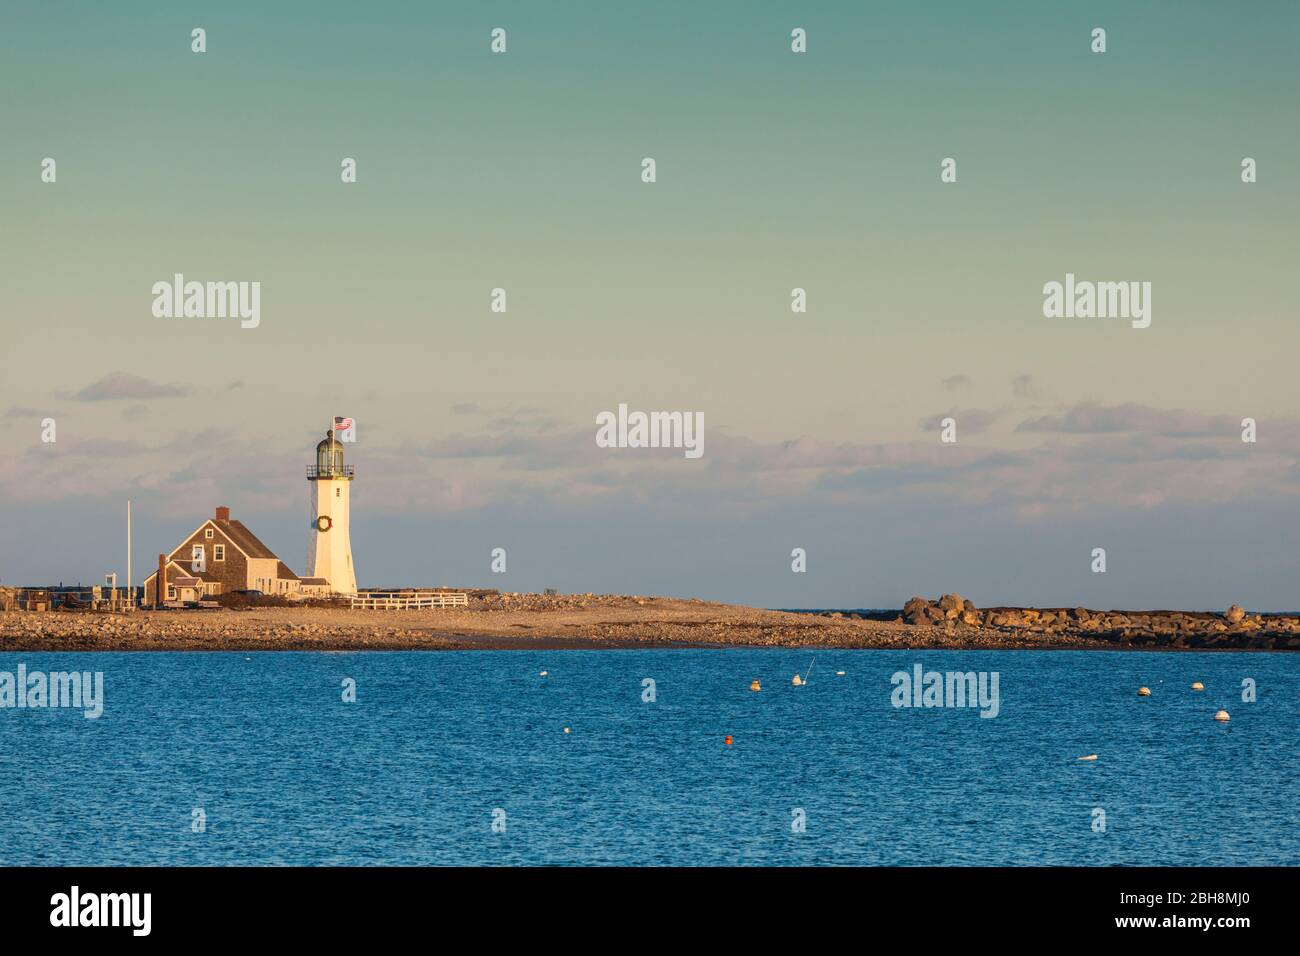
(120, 385)
(970, 421)
(1095, 419)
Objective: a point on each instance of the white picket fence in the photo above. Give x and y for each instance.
(408, 600)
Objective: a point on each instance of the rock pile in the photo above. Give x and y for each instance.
(949, 607)
(512, 601)
(1234, 628)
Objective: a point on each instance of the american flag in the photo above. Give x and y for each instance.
(342, 424)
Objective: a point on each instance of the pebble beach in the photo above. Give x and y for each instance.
(532, 621)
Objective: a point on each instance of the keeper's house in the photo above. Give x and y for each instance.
(222, 556)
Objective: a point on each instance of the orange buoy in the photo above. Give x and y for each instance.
(755, 685)
(727, 740)
(797, 681)
(1144, 691)
(1222, 716)
(1198, 686)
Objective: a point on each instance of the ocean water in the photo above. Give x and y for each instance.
(285, 772)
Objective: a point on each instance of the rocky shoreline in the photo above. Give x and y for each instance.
(533, 621)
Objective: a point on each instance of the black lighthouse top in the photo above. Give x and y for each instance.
(329, 461)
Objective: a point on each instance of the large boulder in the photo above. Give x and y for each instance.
(916, 611)
(1235, 614)
(952, 602)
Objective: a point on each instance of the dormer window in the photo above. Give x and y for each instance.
(208, 534)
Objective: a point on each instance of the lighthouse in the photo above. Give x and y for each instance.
(330, 554)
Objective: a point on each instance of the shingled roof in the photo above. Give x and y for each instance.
(204, 575)
(244, 539)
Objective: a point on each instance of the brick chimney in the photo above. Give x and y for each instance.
(160, 582)
(223, 513)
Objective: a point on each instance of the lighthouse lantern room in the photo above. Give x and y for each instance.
(329, 555)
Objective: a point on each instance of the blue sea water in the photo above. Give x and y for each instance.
(285, 772)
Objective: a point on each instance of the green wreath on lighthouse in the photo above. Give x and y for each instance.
(324, 523)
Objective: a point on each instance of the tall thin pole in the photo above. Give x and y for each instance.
(130, 591)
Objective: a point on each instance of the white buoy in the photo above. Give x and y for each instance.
(1222, 716)
(1198, 686)
(543, 673)
(839, 673)
(1089, 757)
(566, 730)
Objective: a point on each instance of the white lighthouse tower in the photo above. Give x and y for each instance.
(330, 553)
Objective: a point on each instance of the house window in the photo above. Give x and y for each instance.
(338, 492)
(218, 552)
(171, 592)
(208, 534)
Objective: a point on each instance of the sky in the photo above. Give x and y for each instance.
(774, 171)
